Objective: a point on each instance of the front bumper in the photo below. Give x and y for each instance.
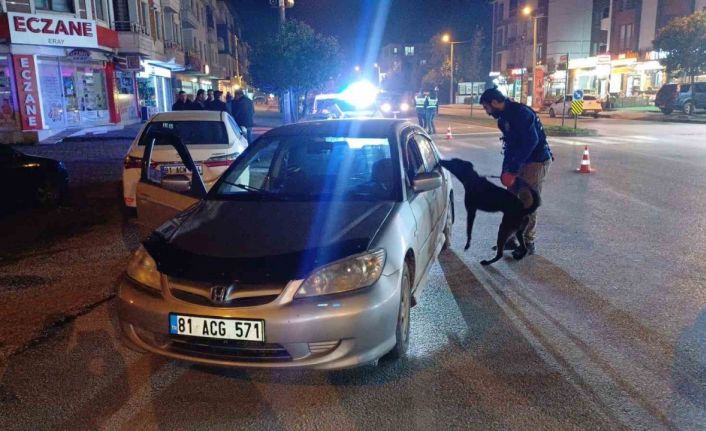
(338, 331)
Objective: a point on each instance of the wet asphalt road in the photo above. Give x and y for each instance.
(604, 329)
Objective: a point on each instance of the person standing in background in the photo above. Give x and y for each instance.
(243, 111)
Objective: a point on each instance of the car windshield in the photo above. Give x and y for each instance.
(331, 105)
(307, 167)
(190, 132)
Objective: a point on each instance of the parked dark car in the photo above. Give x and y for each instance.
(683, 97)
(31, 179)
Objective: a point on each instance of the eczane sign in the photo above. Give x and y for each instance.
(52, 30)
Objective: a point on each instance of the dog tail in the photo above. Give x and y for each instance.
(536, 199)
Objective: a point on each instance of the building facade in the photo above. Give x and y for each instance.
(513, 33)
(68, 64)
(603, 47)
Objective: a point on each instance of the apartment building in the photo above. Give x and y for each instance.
(404, 65)
(513, 32)
(81, 63)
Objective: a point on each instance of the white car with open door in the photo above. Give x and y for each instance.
(213, 139)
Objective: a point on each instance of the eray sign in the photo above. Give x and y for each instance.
(27, 92)
(53, 30)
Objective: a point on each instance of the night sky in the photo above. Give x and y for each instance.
(350, 21)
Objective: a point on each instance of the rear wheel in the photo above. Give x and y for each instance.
(688, 108)
(551, 113)
(403, 317)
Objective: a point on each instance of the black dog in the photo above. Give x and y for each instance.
(483, 195)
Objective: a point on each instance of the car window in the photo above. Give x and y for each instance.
(427, 153)
(569, 98)
(684, 88)
(413, 161)
(190, 132)
(307, 167)
(233, 124)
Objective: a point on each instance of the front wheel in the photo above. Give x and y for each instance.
(688, 108)
(50, 193)
(551, 113)
(403, 317)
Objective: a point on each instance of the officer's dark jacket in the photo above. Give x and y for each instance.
(523, 136)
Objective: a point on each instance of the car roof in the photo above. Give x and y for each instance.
(363, 127)
(188, 116)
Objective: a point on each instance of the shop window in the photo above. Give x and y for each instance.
(8, 111)
(408, 51)
(55, 5)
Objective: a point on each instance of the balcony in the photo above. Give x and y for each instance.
(173, 6)
(193, 62)
(188, 17)
(173, 50)
(134, 38)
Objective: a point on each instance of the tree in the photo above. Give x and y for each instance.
(295, 59)
(473, 59)
(684, 41)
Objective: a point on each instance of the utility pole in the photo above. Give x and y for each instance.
(451, 87)
(282, 14)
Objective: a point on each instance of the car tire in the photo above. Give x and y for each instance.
(403, 317)
(551, 113)
(50, 193)
(688, 108)
(666, 111)
(448, 228)
(595, 115)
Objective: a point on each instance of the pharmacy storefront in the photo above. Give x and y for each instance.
(63, 74)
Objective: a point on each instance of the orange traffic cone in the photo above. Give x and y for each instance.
(449, 135)
(585, 167)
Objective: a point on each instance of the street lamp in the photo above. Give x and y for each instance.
(446, 38)
(357, 68)
(527, 11)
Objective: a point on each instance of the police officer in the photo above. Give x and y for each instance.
(432, 107)
(419, 102)
(526, 152)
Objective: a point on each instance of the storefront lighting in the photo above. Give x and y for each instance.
(194, 80)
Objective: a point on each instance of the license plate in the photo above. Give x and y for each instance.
(178, 169)
(210, 327)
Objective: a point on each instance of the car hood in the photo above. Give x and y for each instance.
(263, 241)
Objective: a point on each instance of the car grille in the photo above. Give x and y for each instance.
(242, 295)
(228, 350)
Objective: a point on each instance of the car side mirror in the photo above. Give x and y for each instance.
(425, 182)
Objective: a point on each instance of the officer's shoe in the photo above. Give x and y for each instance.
(530, 247)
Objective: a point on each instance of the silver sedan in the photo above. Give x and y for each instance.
(309, 251)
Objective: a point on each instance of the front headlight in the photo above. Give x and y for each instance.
(353, 273)
(404, 107)
(143, 269)
(386, 107)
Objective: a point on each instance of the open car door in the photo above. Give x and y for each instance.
(164, 190)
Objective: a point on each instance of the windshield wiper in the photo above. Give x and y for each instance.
(254, 189)
(247, 187)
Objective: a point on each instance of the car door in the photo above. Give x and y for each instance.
(420, 203)
(437, 197)
(161, 197)
(700, 95)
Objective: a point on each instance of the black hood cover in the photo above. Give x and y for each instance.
(263, 242)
